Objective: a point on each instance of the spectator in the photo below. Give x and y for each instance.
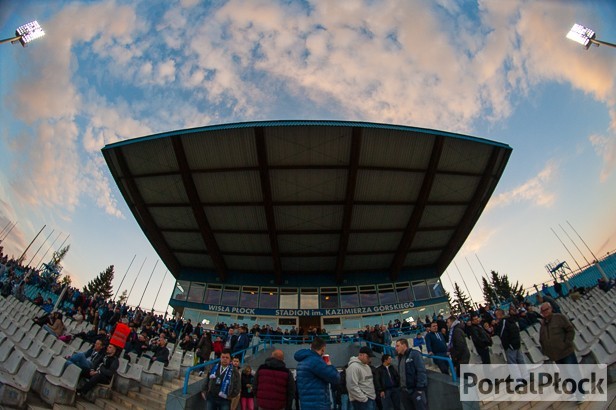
(359, 381)
(481, 339)
(558, 287)
(204, 348)
(224, 383)
(556, 336)
(437, 346)
(242, 342)
(314, 377)
(235, 400)
(413, 377)
(458, 350)
(390, 384)
(103, 373)
(418, 340)
(274, 385)
(509, 335)
(161, 352)
(247, 392)
(56, 325)
(91, 359)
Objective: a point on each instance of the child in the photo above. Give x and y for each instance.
(247, 392)
(419, 341)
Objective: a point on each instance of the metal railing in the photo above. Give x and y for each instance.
(392, 352)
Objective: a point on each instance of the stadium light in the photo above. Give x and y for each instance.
(26, 33)
(585, 36)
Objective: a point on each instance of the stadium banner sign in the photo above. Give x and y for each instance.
(530, 383)
(354, 311)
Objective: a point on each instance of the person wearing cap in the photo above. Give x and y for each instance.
(360, 382)
(413, 377)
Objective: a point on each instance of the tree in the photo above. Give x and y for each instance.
(66, 280)
(461, 302)
(123, 297)
(499, 289)
(59, 255)
(102, 284)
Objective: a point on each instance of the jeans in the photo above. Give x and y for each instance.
(80, 360)
(413, 400)
(571, 359)
(217, 403)
(515, 356)
(391, 400)
(366, 405)
(344, 402)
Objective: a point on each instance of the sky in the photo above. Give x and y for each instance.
(108, 71)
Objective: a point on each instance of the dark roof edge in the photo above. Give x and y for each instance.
(278, 123)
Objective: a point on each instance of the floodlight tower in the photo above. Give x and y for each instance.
(585, 36)
(26, 33)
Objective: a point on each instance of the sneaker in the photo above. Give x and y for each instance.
(201, 373)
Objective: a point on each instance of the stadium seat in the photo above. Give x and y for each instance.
(61, 390)
(14, 390)
(55, 369)
(129, 380)
(153, 375)
(11, 365)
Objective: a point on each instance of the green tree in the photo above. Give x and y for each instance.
(66, 280)
(102, 284)
(59, 255)
(461, 302)
(123, 297)
(499, 286)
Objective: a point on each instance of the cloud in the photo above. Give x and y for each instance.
(534, 191)
(605, 147)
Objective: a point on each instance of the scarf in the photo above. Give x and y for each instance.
(226, 381)
(453, 326)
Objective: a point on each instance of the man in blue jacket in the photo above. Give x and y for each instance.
(437, 346)
(413, 377)
(314, 377)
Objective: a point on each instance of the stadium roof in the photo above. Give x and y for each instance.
(284, 199)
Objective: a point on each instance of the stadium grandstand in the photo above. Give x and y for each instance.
(282, 234)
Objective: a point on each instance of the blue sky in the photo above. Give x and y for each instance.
(113, 70)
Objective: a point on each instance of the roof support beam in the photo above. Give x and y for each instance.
(266, 190)
(195, 203)
(418, 210)
(347, 217)
(480, 199)
(145, 219)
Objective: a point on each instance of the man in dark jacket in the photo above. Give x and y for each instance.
(314, 377)
(223, 385)
(243, 340)
(509, 334)
(390, 384)
(274, 385)
(437, 346)
(458, 350)
(413, 377)
(103, 373)
(481, 339)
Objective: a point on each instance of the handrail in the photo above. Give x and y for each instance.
(201, 366)
(391, 351)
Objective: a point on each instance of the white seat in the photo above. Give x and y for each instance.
(608, 344)
(11, 365)
(61, 390)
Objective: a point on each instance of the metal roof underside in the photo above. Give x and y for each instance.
(301, 197)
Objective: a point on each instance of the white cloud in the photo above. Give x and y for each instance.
(535, 191)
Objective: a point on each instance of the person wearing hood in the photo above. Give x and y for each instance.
(314, 377)
(274, 386)
(360, 382)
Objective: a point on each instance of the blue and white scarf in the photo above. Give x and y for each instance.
(226, 381)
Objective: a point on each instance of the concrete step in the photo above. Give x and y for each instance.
(107, 404)
(85, 405)
(155, 398)
(129, 403)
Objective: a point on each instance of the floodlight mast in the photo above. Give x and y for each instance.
(26, 33)
(586, 37)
